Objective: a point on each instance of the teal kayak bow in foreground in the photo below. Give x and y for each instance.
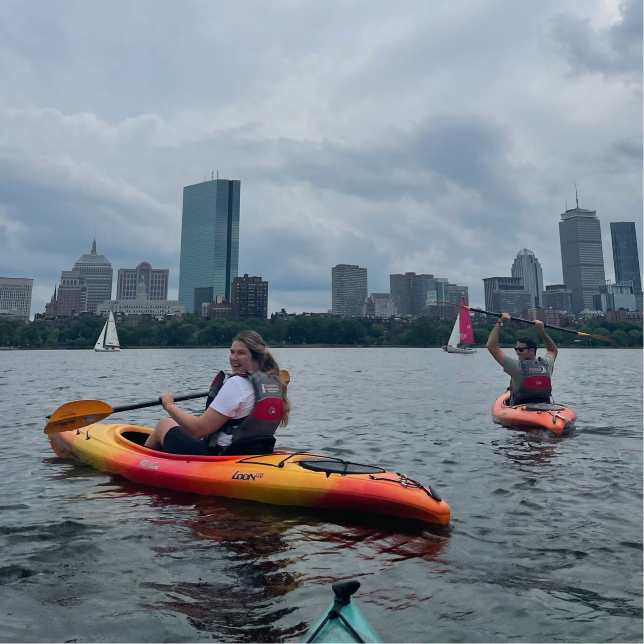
(342, 621)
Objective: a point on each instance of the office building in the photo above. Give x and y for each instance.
(348, 290)
(527, 267)
(625, 257)
(250, 297)
(410, 292)
(582, 258)
(141, 304)
(155, 280)
(515, 302)
(493, 284)
(458, 293)
(557, 297)
(97, 272)
(209, 242)
(612, 297)
(71, 299)
(15, 297)
(379, 305)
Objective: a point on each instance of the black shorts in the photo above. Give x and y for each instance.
(177, 441)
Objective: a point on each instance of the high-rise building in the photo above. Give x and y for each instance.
(582, 258)
(557, 297)
(348, 290)
(155, 280)
(493, 284)
(625, 256)
(409, 291)
(457, 293)
(72, 295)
(526, 266)
(209, 240)
(15, 297)
(97, 272)
(250, 297)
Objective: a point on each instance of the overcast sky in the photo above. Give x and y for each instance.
(427, 136)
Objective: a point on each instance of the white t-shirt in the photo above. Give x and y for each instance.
(235, 399)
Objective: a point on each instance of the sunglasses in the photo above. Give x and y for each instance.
(520, 349)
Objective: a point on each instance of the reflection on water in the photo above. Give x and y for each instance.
(545, 542)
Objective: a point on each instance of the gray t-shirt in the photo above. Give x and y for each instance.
(512, 367)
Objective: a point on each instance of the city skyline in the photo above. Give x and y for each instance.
(448, 167)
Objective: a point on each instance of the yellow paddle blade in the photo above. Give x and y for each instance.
(597, 337)
(285, 375)
(77, 414)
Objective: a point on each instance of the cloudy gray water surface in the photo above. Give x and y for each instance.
(545, 543)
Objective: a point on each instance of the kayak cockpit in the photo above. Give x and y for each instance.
(134, 438)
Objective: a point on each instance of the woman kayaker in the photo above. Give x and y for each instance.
(230, 415)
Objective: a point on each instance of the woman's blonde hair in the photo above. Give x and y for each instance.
(267, 364)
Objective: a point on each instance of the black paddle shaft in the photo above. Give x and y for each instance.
(152, 403)
(498, 315)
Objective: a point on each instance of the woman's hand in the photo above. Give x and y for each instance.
(167, 400)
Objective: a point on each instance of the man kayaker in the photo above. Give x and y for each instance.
(530, 376)
(231, 411)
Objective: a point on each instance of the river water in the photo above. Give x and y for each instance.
(545, 543)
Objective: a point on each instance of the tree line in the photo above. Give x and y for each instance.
(191, 331)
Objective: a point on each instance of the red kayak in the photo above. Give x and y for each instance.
(556, 418)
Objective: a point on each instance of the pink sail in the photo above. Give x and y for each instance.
(465, 325)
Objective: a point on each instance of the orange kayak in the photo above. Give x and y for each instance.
(281, 478)
(553, 417)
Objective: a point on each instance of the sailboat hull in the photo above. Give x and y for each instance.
(107, 349)
(465, 350)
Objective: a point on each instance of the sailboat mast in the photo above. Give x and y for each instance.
(105, 334)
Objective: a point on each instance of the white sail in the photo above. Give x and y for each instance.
(100, 344)
(455, 338)
(108, 340)
(111, 339)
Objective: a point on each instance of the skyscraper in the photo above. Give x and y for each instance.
(209, 241)
(348, 290)
(155, 280)
(409, 291)
(582, 258)
(97, 272)
(625, 257)
(493, 284)
(527, 267)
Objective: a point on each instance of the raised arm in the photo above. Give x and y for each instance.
(548, 343)
(493, 340)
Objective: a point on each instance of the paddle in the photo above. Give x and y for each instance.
(80, 413)
(549, 326)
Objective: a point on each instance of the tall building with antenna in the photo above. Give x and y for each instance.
(582, 256)
(209, 242)
(97, 273)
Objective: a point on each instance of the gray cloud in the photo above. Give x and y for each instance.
(613, 50)
(421, 137)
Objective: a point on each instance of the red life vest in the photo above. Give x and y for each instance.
(536, 385)
(267, 411)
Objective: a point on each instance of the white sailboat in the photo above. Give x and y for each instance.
(461, 333)
(108, 340)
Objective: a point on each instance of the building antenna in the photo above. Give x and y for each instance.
(576, 197)
(217, 174)
(566, 204)
(212, 175)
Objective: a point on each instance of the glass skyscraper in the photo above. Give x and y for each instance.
(625, 257)
(527, 267)
(209, 241)
(582, 258)
(348, 290)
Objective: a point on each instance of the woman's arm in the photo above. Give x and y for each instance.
(198, 426)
